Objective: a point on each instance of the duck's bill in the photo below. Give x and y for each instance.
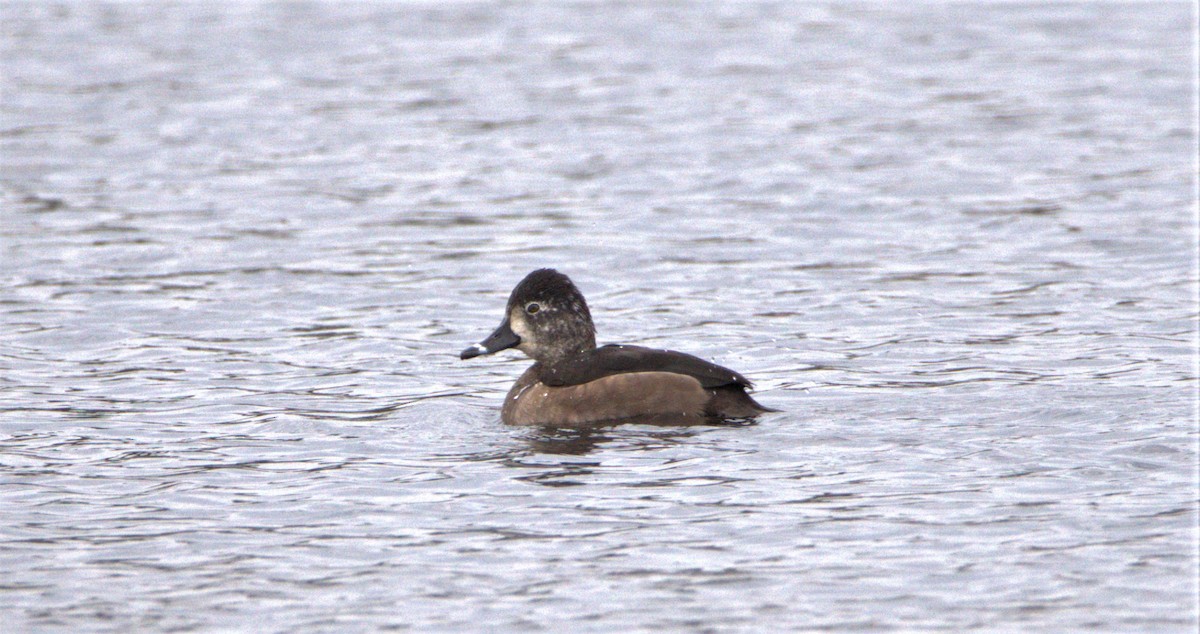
(502, 339)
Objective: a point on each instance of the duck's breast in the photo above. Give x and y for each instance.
(614, 397)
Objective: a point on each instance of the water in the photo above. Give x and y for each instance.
(243, 245)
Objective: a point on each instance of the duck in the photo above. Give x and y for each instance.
(573, 381)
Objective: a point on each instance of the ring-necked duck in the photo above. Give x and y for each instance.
(575, 382)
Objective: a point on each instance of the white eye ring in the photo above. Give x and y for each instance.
(532, 307)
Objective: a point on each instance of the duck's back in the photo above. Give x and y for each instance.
(620, 382)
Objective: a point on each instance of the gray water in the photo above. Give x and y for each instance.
(243, 245)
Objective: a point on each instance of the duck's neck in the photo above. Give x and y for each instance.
(558, 368)
(551, 358)
(570, 339)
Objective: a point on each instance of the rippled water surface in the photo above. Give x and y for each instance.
(243, 244)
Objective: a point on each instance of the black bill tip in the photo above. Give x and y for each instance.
(502, 339)
(473, 351)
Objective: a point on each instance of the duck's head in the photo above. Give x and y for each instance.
(547, 318)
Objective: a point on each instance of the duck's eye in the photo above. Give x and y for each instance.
(532, 307)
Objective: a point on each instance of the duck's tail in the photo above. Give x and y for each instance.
(732, 401)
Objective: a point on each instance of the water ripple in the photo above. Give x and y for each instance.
(242, 245)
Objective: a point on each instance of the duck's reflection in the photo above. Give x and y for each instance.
(557, 456)
(642, 433)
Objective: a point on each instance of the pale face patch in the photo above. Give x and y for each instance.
(516, 321)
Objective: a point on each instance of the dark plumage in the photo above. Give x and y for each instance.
(598, 363)
(574, 382)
